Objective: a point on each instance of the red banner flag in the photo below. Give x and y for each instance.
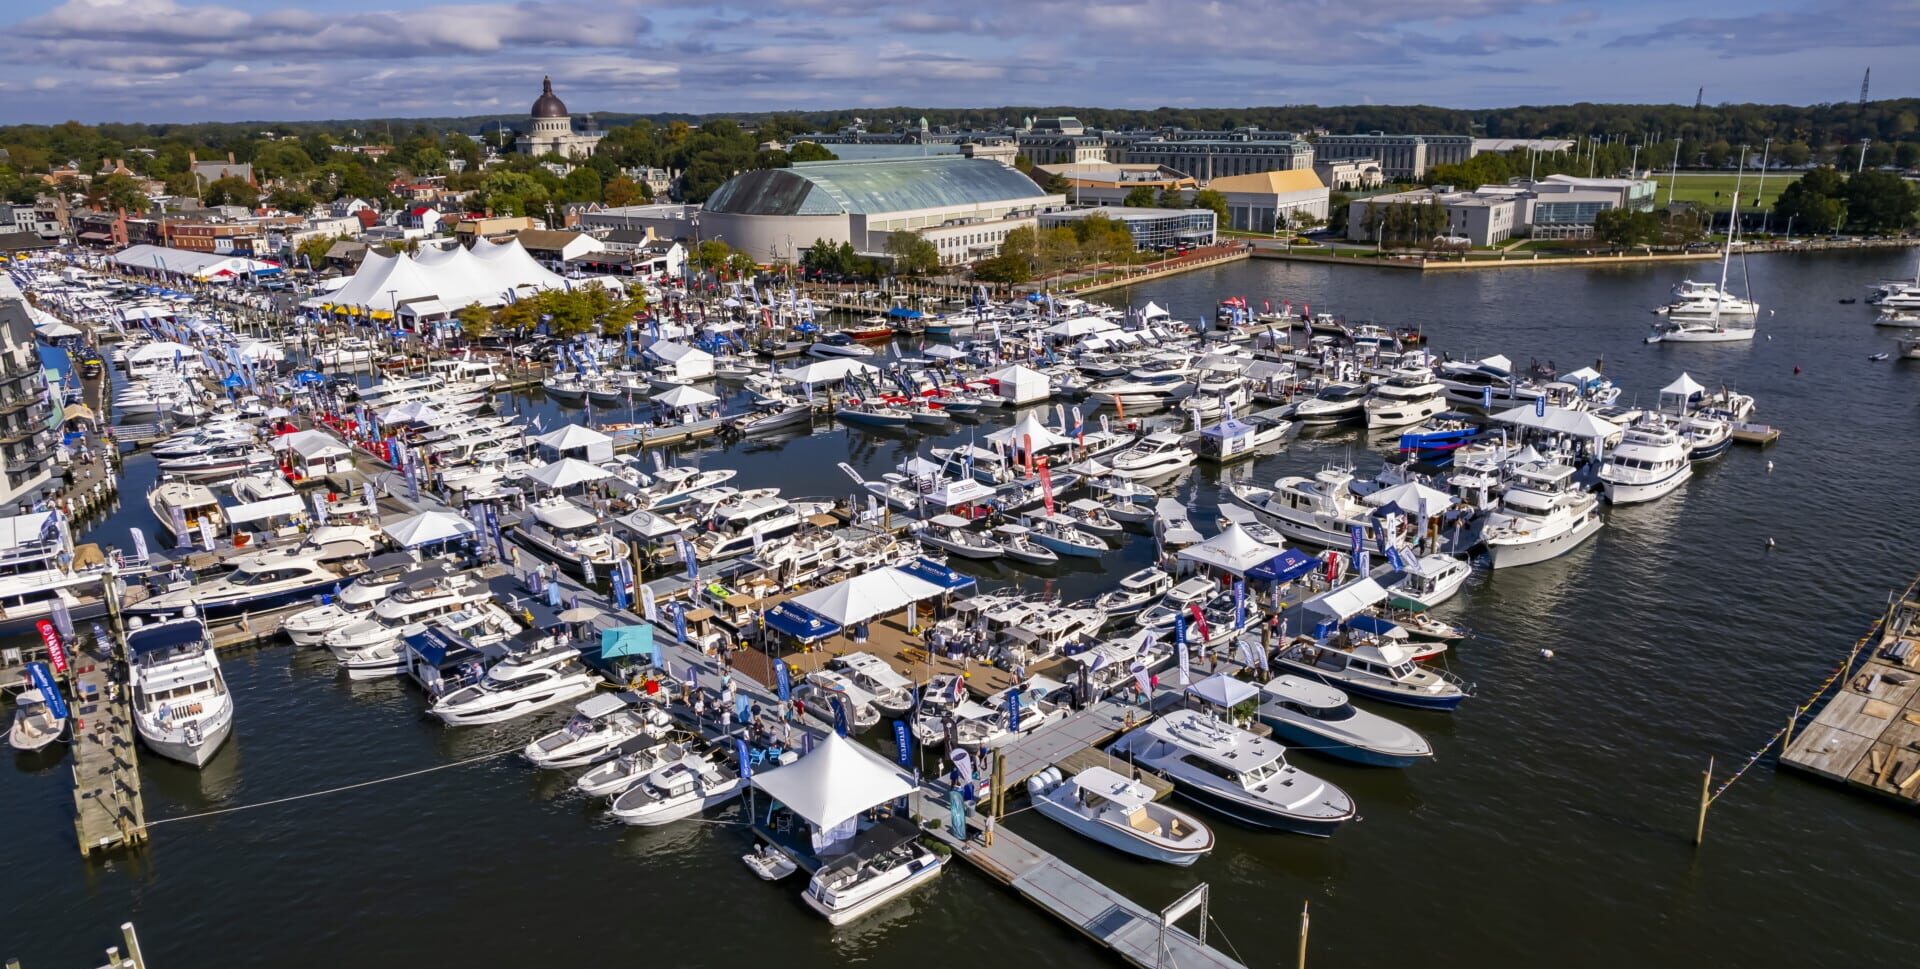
(56, 650)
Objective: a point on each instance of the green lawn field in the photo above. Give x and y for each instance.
(1700, 188)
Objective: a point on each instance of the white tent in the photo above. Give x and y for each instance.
(490, 274)
(1029, 426)
(199, 265)
(1153, 311)
(567, 472)
(1349, 600)
(681, 360)
(834, 783)
(680, 397)
(428, 528)
(1080, 326)
(1232, 551)
(413, 410)
(1021, 385)
(162, 350)
(1684, 388)
(1413, 498)
(312, 445)
(827, 371)
(941, 351)
(867, 596)
(56, 330)
(1560, 420)
(1224, 691)
(593, 445)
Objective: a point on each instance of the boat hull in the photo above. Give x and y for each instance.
(842, 915)
(1334, 747)
(1505, 555)
(1106, 835)
(193, 755)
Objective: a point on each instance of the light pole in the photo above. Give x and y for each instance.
(1673, 174)
(1761, 194)
(1857, 169)
(1790, 219)
(1633, 167)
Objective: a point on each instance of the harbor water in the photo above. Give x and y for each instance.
(1554, 825)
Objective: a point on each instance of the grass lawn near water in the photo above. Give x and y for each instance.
(1699, 188)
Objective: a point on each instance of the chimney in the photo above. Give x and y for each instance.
(229, 158)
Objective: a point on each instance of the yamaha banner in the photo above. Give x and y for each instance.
(56, 650)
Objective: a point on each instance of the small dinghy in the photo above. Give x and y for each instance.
(769, 863)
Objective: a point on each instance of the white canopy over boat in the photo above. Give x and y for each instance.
(1224, 691)
(1413, 498)
(567, 472)
(834, 783)
(312, 445)
(684, 396)
(1349, 600)
(1560, 420)
(578, 437)
(1153, 311)
(1029, 426)
(867, 596)
(1683, 388)
(428, 528)
(1080, 326)
(1232, 551)
(828, 371)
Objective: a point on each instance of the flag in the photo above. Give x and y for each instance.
(1200, 621)
(902, 743)
(49, 690)
(1013, 709)
(1239, 603)
(783, 681)
(1358, 542)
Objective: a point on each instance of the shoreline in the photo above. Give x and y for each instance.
(1537, 260)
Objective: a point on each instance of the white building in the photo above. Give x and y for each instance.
(1254, 202)
(552, 129)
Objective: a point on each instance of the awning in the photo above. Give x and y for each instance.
(1222, 690)
(834, 783)
(1289, 565)
(626, 641)
(939, 574)
(1350, 599)
(253, 511)
(788, 619)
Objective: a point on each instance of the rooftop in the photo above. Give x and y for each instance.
(873, 186)
(1276, 182)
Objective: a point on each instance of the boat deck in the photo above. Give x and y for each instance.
(1868, 734)
(108, 810)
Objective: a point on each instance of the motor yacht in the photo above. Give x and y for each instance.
(1312, 715)
(888, 691)
(1408, 397)
(630, 764)
(885, 862)
(1156, 455)
(737, 527)
(356, 600)
(258, 582)
(571, 536)
(182, 708)
(516, 685)
(1120, 813)
(956, 536)
(1336, 403)
(1134, 593)
(1375, 670)
(1486, 383)
(1429, 581)
(679, 789)
(1542, 515)
(1649, 462)
(189, 512)
(1320, 511)
(1707, 436)
(1235, 773)
(599, 725)
(1139, 393)
(1060, 535)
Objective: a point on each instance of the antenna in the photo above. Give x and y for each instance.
(1864, 78)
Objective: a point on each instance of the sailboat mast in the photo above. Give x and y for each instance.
(1726, 259)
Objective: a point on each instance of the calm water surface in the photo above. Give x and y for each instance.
(1554, 825)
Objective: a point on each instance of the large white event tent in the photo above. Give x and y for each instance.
(867, 596)
(1232, 551)
(832, 786)
(439, 282)
(203, 266)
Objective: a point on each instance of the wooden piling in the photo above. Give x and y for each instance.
(1706, 798)
(1301, 961)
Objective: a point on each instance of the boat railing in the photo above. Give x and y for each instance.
(1462, 683)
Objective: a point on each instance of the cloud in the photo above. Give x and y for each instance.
(1479, 44)
(1825, 24)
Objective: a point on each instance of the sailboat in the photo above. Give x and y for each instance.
(1728, 318)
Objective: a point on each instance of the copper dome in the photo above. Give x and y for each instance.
(548, 106)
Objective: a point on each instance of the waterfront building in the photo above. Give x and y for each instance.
(1100, 183)
(1255, 202)
(1349, 174)
(964, 206)
(28, 412)
(553, 248)
(665, 220)
(1484, 218)
(1404, 158)
(1150, 228)
(551, 131)
(1503, 145)
(1247, 152)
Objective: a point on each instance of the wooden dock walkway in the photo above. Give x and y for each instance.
(108, 810)
(1068, 741)
(1076, 898)
(1868, 735)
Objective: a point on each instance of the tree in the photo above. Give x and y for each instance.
(912, 253)
(1814, 202)
(742, 263)
(475, 320)
(1015, 263)
(1881, 201)
(1207, 198)
(581, 185)
(290, 200)
(232, 190)
(621, 190)
(807, 151)
(1626, 229)
(116, 193)
(1140, 198)
(313, 251)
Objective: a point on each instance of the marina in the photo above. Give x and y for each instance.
(1060, 878)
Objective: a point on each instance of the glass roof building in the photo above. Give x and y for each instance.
(964, 205)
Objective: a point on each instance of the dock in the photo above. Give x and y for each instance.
(108, 812)
(1868, 735)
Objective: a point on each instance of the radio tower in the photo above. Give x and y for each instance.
(1863, 84)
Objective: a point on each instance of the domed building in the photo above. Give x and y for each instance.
(552, 131)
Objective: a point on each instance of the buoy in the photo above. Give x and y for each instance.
(1769, 542)
(1546, 654)
(1769, 467)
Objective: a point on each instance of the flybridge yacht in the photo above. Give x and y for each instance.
(1705, 300)
(1228, 770)
(264, 580)
(1705, 312)
(1407, 397)
(1543, 515)
(1486, 382)
(571, 535)
(1320, 510)
(1158, 454)
(520, 683)
(181, 705)
(1650, 461)
(384, 574)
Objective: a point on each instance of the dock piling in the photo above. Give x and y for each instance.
(1706, 798)
(1301, 961)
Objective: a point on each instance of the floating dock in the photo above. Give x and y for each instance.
(1868, 735)
(108, 812)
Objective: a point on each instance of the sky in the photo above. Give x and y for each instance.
(230, 60)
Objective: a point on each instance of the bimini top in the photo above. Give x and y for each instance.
(871, 187)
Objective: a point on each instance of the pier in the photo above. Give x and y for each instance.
(107, 807)
(1868, 735)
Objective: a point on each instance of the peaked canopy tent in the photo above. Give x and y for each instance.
(203, 266)
(565, 473)
(1080, 326)
(428, 528)
(868, 596)
(1223, 691)
(1349, 600)
(592, 445)
(1029, 426)
(1153, 311)
(1021, 385)
(833, 785)
(1232, 551)
(1412, 498)
(490, 274)
(1685, 392)
(680, 397)
(1559, 420)
(828, 371)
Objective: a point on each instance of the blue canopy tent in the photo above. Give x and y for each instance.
(903, 313)
(939, 574)
(1372, 624)
(626, 641)
(1289, 565)
(803, 626)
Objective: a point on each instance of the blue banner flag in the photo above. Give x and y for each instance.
(1540, 406)
(958, 808)
(902, 743)
(1358, 541)
(1013, 710)
(1239, 603)
(1486, 398)
(42, 678)
(783, 681)
(746, 759)
(839, 716)
(679, 624)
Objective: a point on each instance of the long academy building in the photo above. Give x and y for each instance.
(964, 206)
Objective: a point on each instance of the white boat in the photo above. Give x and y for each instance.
(1016, 542)
(1707, 299)
(1429, 581)
(1119, 813)
(515, 686)
(599, 725)
(1173, 526)
(744, 523)
(34, 725)
(571, 536)
(823, 689)
(1090, 516)
(1142, 393)
(1542, 516)
(864, 879)
(955, 536)
(1320, 511)
(1333, 404)
(370, 645)
(186, 510)
(888, 691)
(679, 789)
(769, 863)
(181, 706)
(630, 763)
(259, 582)
(1408, 397)
(1378, 671)
(384, 574)
(1231, 771)
(1159, 454)
(1316, 716)
(1708, 313)
(1650, 461)
(1707, 436)
(1134, 593)
(1061, 535)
